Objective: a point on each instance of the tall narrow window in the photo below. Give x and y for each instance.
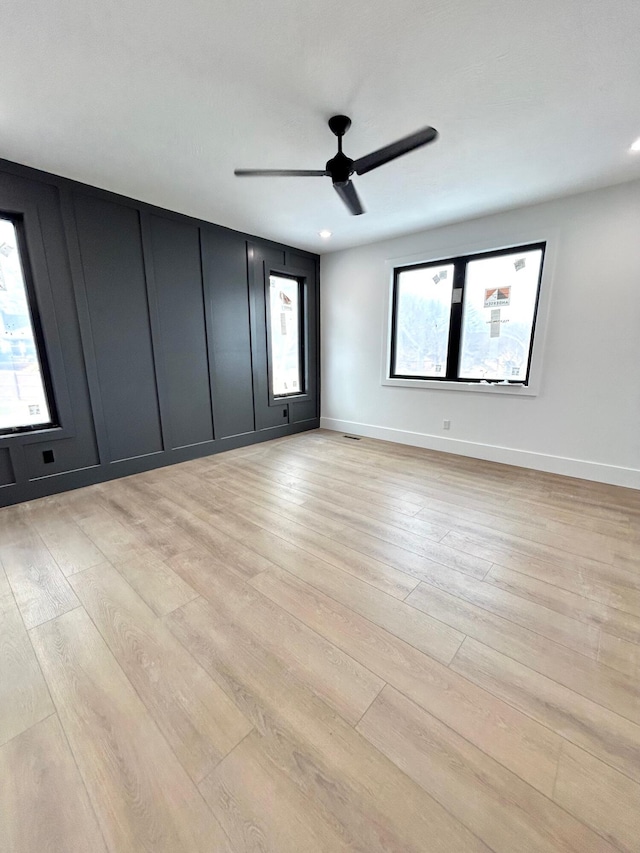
(285, 335)
(24, 401)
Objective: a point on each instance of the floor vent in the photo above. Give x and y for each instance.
(352, 437)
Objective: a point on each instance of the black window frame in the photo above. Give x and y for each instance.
(17, 220)
(460, 263)
(301, 281)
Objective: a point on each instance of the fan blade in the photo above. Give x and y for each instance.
(395, 149)
(349, 196)
(280, 173)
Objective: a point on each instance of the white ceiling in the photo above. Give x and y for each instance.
(161, 100)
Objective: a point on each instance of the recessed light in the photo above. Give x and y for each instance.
(325, 234)
(635, 146)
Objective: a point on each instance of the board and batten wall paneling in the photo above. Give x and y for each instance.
(159, 350)
(224, 266)
(177, 281)
(75, 447)
(114, 276)
(37, 205)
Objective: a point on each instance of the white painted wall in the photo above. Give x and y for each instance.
(585, 419)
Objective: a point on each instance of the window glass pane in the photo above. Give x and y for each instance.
(285, 321)
(423, 314)
(23, 399)
(498, 313)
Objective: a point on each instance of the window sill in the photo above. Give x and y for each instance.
(475, 387)
(52, 433)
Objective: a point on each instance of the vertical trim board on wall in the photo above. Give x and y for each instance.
(111, 249)
(224, 269)
(181, 332)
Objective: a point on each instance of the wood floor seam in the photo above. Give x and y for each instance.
(549, 728)
(555, 778)
(53, 618)
(564, 738)
(451, 662)
(549, 797)
(355, 725)
(615, 671)
(33, 653)
(370, 621)
(135, 690)
(30, 726)
(151, 725)
(513, 622)
(561, 588)
(143, 699)
(80, 777)
(488, 571)
(201, 781)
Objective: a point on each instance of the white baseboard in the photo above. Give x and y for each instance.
(600, 473)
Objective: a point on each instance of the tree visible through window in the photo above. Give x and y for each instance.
(467, 319)
(423, 300)
(23, 397)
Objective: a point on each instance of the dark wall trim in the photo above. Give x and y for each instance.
(154, 327)
(33, 174)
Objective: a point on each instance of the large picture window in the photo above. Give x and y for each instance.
(25, 398)
(467, 319)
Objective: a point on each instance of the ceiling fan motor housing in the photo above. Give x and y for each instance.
(340, 168)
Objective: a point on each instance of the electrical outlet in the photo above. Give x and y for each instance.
(446, 424)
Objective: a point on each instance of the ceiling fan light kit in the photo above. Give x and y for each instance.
(340, 168)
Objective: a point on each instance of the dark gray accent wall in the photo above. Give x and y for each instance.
(154, 329)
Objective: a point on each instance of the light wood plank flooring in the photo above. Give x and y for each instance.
(319, 644)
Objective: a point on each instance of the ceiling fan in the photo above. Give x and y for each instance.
(340, 168)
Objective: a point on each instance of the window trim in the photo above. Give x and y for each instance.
(454, 331)
(470, 251)
(301, 276)
(23, 207)
(38, 335)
